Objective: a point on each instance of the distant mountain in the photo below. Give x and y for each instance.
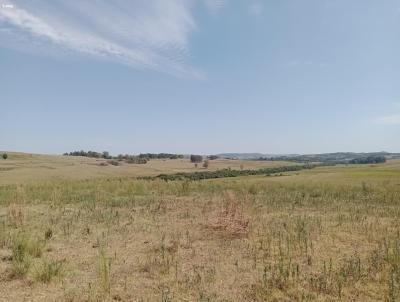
(246, 156)
(240, 155)
(322, 157)
(337, 157)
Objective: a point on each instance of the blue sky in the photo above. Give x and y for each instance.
(200, 76)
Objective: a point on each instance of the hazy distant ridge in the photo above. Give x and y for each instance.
(336, 156)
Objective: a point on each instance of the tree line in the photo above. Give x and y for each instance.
(128, 158)
(93, 154)
(332, 158)
(369, 160)
(230, 173)
(160, 155)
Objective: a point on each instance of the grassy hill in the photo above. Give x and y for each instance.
(326, 234)
(23, 167)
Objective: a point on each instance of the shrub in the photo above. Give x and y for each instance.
(196, 158)
(113, 162)
(5, 155)
(232, 173)
(160, 156)
(48, 234)
(21, 261)
(206, 164)
(136, 160)
(106, 155)
(48, 270)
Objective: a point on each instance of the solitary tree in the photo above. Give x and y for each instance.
(106, 155)
(196, 158)
(5, 155)
(206, 164)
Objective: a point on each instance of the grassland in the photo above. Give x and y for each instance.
(24, 168)
(326, 234)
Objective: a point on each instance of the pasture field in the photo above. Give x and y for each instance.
(24, 168)
(326, 234)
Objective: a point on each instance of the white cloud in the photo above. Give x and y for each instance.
(142, 34)
(389, 120)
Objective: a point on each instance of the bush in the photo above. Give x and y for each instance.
(206, 164)
(196, 158)
(5, 155)
(48, 234)
(113, 162)
(231, 173)
(48, 270)
(160, 156)
(136, 160)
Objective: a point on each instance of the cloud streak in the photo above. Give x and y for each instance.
(141, 34)
(389, 120)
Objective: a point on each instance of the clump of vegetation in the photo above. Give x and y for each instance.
(20, 258)
(4, 155)
(373, 159)
(335, 158)
(142, 158)
(113, 162)
(23, 249)
(230, 173)
(48, 270)
(132, 159)
(48, 234)
(206, 164)
(104, 271)
(136, 160)
(160, 156)
(93, 154)
(196, 158)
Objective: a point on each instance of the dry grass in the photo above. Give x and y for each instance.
(228, 218)
(21, 168)
(309, 236)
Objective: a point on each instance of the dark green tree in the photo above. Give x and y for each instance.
(196, 158)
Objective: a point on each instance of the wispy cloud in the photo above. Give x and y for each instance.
(142, 34)
(389, 119)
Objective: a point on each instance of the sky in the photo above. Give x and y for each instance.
(200, 76)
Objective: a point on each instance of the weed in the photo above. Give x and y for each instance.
(48, 270)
